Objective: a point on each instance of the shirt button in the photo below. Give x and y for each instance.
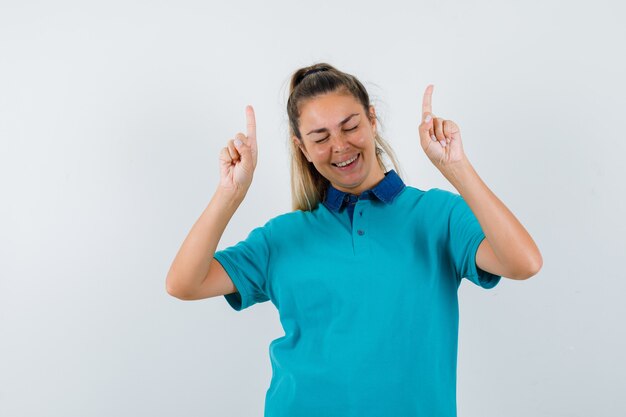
(346, 198)
(361, 213)
(360, 232)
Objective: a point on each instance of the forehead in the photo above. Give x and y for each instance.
(328, 110)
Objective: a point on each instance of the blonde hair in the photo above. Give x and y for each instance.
(308, 186)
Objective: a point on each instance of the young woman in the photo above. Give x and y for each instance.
(365, 271)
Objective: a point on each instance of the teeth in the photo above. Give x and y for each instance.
(343, 164)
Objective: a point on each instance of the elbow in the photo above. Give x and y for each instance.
(172, 290)
(530, 269)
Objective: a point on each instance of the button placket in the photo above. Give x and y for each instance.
(360, 238)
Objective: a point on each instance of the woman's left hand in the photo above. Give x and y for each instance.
(440, 139)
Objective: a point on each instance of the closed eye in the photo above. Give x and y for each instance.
(347, 130)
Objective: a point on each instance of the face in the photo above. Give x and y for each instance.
(334, 130)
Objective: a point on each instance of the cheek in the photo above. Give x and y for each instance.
(365, 142)
(322, 153)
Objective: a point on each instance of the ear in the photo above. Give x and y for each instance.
(373, 117)
(302, 148)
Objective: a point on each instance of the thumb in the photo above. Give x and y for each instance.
(425, 126)
(244, 149)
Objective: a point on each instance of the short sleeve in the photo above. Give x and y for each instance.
(465, 235)
(247, 265)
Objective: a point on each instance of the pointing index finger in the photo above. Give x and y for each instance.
(250, 123)
(427, 101)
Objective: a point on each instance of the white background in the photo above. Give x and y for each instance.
(112, 115)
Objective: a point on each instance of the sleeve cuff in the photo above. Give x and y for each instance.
(240, 299)
(478, 276)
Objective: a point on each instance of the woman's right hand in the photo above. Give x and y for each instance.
(237, 162)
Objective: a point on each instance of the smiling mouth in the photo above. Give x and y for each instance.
(353, 160)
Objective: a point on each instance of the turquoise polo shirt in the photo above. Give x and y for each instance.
(366, 290)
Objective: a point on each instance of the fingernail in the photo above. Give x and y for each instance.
(443, 143)
(433, 138)
(428, 118)
(238, 142)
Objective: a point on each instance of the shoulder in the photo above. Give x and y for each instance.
(296, 229)
(292, 221)
(289, 219)
(430, 209)
(432, 197)
(441, 194)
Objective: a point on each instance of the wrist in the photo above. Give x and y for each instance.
(230, 196)
(457, 171)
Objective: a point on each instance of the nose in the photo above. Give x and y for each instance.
(340, 143)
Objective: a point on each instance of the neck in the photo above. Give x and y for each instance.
(380, 175)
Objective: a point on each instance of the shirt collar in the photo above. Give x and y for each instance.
(386, 191)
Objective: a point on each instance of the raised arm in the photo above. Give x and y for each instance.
(508, 249)
(194, 273)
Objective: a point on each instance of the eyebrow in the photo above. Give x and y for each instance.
(323, 129)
